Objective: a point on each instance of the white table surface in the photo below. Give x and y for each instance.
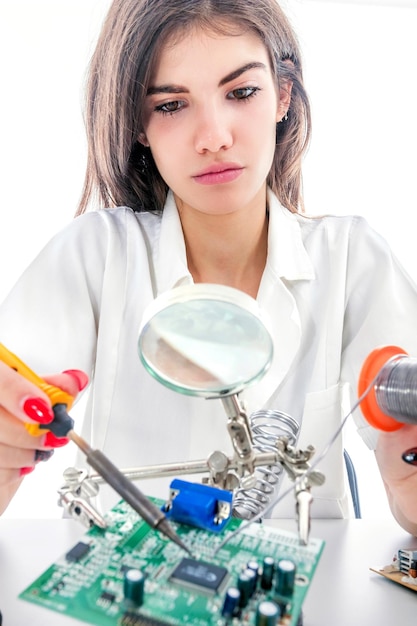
(344, 591)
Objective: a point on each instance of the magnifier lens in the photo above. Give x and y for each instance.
(205, 340)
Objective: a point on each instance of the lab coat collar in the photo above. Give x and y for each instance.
(287, 256)
(171, 262)
(287, 262)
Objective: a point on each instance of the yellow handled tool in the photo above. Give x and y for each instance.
(62, 426)
(60, 400)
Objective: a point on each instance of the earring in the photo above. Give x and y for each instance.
(277, 129)
(283, 119)
(143, 163)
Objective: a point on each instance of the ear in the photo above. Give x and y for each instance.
(143, 140)
(284, 98)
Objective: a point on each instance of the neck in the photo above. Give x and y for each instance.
(227, 249)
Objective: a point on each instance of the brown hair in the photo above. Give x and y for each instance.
(120, 170)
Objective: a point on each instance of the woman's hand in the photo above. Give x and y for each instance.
(22, 402)
(400, 478)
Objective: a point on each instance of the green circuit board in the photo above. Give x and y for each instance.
(87, 582)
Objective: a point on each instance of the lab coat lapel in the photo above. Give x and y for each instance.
(282, 319)
(171, 261)
(287, 261)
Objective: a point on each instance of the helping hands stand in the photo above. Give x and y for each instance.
(229, 473)
(210, 341)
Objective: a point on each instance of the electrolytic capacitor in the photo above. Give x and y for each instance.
(254, 566)
(231, 603)
(133, 587)
(253, 577)
(267, 614)
(285, 578)
(246, 585)
(268, 570)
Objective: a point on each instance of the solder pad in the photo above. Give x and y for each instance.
(90, 586)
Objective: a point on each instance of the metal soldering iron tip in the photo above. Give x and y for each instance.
(166, 529)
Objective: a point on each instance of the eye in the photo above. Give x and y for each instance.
(168, 108)
(242, 93)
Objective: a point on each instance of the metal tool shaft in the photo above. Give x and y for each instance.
(126, 489)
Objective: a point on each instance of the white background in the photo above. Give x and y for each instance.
(360, 71)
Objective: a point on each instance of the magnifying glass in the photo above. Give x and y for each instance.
(205, 340)
(212, 341)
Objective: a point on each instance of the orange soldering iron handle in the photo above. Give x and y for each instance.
(56, 395)
(369, 405)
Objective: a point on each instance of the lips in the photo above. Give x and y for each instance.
(218, 174)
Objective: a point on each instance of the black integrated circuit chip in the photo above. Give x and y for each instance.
(77, 552)
(199, 575)
(106, 599)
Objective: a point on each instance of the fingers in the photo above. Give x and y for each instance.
(13, 434)
(17, 447)
(17, 458)
(17, 454)
(410, 456)
(20, 452)
(22, 398)
(390, 451)
(80, 377)
(70, 381)
(22, 401)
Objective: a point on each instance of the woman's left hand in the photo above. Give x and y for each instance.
(400, 478)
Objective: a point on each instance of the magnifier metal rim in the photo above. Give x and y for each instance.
(200, 291)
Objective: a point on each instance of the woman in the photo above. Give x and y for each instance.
(197, 121)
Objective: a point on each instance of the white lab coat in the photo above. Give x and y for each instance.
(331, 292)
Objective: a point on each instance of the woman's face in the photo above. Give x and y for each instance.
(211, 111)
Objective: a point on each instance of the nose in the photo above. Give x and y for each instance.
(213, 131)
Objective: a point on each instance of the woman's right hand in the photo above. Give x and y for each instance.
(23, 402)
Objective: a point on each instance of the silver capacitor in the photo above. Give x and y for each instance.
(285, 578)
(231, 604)
(134, 586)
(267, 614)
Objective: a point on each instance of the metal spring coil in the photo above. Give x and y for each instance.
(267, 427)
(396, 389)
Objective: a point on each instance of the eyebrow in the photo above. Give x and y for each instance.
(227, 79)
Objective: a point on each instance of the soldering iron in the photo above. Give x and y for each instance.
(62, 426)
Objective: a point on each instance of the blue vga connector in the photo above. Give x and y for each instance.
(198, 505)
